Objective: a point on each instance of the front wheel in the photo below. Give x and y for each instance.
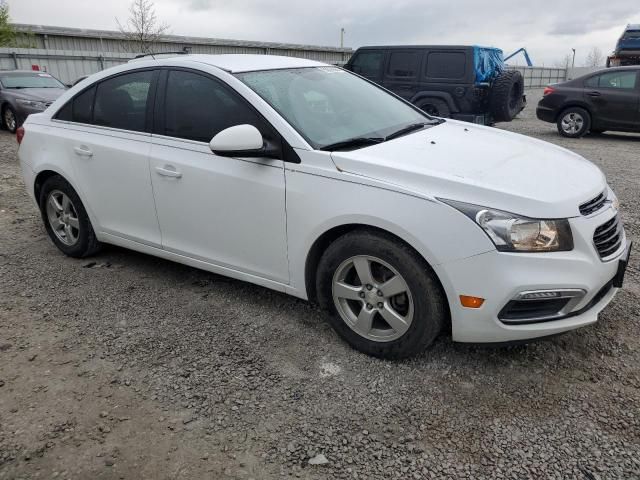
(9, 119)
(382, 298)
(574, 122)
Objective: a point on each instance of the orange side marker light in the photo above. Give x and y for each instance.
(471, 302)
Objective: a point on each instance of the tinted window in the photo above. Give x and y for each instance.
(79, 108)
(450, 65)
(198, 107)
(624, 80)
(121, 102)
(403, 64)
(368, 64)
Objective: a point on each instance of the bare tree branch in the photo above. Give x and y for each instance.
(142, 29)
(595, 58)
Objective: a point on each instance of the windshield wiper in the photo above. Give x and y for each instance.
(353, 143)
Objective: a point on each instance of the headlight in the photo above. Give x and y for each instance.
(514, 233)
(36, 105)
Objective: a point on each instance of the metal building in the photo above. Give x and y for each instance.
(70, 53)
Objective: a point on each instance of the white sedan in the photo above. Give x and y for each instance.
(310, 180)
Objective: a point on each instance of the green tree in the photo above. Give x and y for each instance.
(7, 32)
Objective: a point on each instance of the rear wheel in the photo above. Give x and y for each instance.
(66, 219)
(435, 107)
(574, 122)
(381, 296)
(9, 119)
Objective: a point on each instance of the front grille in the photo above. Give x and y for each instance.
(593, 205)
(608, 237)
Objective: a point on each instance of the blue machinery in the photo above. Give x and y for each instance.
(524, 52)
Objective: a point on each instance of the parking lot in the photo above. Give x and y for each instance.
(127, 366)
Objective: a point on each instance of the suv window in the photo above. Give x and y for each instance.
(403, 64)
(121, 102)
(368, 64)
(198, 107)
(451, 65)
(623, 80)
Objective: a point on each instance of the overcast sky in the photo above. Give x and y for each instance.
(547, 29)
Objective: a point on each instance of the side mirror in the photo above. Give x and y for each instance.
(241, 141)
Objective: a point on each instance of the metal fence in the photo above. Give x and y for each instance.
(537, 77)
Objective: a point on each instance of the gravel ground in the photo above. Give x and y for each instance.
(125, 366)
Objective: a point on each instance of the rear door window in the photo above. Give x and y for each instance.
(121, 102)
(618, 80)
(446, 65)
(368, 64)
(403, 64)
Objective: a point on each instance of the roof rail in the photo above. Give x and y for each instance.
(184, 51)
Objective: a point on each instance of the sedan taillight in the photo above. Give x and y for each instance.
(547, 91)
(20, 134)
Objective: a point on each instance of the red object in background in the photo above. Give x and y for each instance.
(35, 68)
(547, 91)
(20, 134)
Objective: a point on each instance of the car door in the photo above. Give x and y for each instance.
(613, 99)
(107, 138)
(226, 211)
(401, 73)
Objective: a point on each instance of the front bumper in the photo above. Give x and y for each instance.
(500, 277)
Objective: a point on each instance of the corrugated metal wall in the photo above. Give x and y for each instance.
(70, 53)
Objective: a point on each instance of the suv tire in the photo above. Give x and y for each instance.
(574, 122)
(66, 219)
(400, 287)
(435, 107)
(506, 98)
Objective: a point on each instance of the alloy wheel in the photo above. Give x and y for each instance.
(372, 298)
(572, 123)
(9, 119)
(63, 217)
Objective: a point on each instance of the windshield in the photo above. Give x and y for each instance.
(328, 105)
(29, 80)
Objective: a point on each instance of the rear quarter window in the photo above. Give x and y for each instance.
(446, 65)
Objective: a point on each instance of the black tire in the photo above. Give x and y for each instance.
(435, 107)
(578, 115)
(506, 98)
(87, 244)
(430, 310)
(8, 110)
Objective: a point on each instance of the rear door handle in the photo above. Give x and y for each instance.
(594, 94)
(168, 171)
(83, 151)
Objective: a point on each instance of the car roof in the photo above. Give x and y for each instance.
(395, 47)
(237, 63)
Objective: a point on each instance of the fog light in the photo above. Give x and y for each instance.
(471, 302)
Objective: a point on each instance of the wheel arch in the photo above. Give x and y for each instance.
(573, 103)
(329, 236)
(420, 97)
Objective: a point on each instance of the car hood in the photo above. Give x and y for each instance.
(39, 94)
(483, 166)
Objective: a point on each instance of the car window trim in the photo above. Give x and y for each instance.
(159, 127)
(151, 96)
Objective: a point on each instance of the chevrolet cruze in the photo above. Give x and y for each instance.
(310, 180)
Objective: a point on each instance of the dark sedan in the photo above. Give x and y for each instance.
(604, 100)
(25, 92)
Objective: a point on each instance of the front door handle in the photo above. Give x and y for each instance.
(594, 94)
(83, 151)
(168, 171)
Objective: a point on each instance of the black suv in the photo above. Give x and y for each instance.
(467, 83)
